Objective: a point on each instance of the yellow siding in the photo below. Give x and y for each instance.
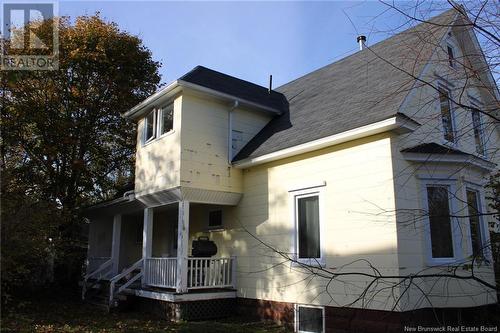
(358, 180)
(158, 162)
(204, 155)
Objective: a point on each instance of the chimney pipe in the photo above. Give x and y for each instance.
(270, 84)
(361, 41)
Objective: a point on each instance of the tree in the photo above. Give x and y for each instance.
(65, 143)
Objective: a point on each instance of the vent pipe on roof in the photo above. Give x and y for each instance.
(270, 84)
(361, 41)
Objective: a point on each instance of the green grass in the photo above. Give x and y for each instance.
(59, 314)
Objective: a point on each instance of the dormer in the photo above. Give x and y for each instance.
(189, 132)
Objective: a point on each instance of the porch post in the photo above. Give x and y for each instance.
(182, 247)
(115, 242)
(147, 238)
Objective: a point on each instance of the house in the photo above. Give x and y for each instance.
(253, 199)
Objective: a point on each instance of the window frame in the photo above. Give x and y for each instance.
(160, 120)
(297, 317)
(145, 127)
(455, 229)
(304, 192)
(215, 227)
(483, 224)
(452, 61)
(480, 128)
(445, 88)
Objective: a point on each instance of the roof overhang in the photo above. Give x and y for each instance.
(178, 86)
(466, 159)
(399, 123)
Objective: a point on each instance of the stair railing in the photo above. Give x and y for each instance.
(115, 279)
(96, 274)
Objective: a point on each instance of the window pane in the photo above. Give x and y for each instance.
(167, 119)
(478, 137)
(308, 225)
(149, 126)
(474, 221)
(446, 115)
(451, 56)
(440, 222)
(310, 319)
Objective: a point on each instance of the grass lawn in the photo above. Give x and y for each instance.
(68, 314)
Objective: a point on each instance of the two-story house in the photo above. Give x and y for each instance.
(353, 195)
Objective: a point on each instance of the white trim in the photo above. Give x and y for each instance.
(293, 197)
(389, 124)
(138, 110)
(454, 223)
(297, 319)
(483, 224)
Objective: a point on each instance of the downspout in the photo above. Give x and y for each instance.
(230, 132)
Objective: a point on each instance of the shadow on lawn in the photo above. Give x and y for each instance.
(64, 312)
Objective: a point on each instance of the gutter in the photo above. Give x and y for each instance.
(399, 123)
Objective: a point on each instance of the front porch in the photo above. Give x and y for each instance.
(146, 252)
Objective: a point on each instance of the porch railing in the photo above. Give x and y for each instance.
(93, 263)
(202, 273)
(211, 273)
(160, 272)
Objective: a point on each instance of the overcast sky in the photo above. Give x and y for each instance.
(249, 40)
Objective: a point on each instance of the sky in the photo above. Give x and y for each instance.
(249, 40)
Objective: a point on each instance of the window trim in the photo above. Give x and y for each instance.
(215, 227)
(145, 131)
(444, 87)
(452, 61)
(455, 229)
(308, 191)
(297, 319)
(481, 128)
(485, 235)
(160, 117)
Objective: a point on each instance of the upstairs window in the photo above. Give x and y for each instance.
(446, 114)
(478, 131)
(237, 141)
(149, 126)
(166, 119)
(158, 122)
(474, 216)
(451, 55)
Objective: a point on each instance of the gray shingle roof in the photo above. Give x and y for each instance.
(358, 90)
(231, 85)
(433, 148)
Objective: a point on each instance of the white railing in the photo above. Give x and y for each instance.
(98, 274)
(160, 272)
(211, 273)
(130, 279)
(93, 263)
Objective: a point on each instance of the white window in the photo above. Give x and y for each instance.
(442, 228)
(215, 219)
(478, 129)
(446, 114)
(166, 119)
(158, 122)
(149, 126)
(309, 319)
(451, 55)
(477, 228)
(307, 206)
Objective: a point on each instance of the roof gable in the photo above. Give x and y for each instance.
(363, 88)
